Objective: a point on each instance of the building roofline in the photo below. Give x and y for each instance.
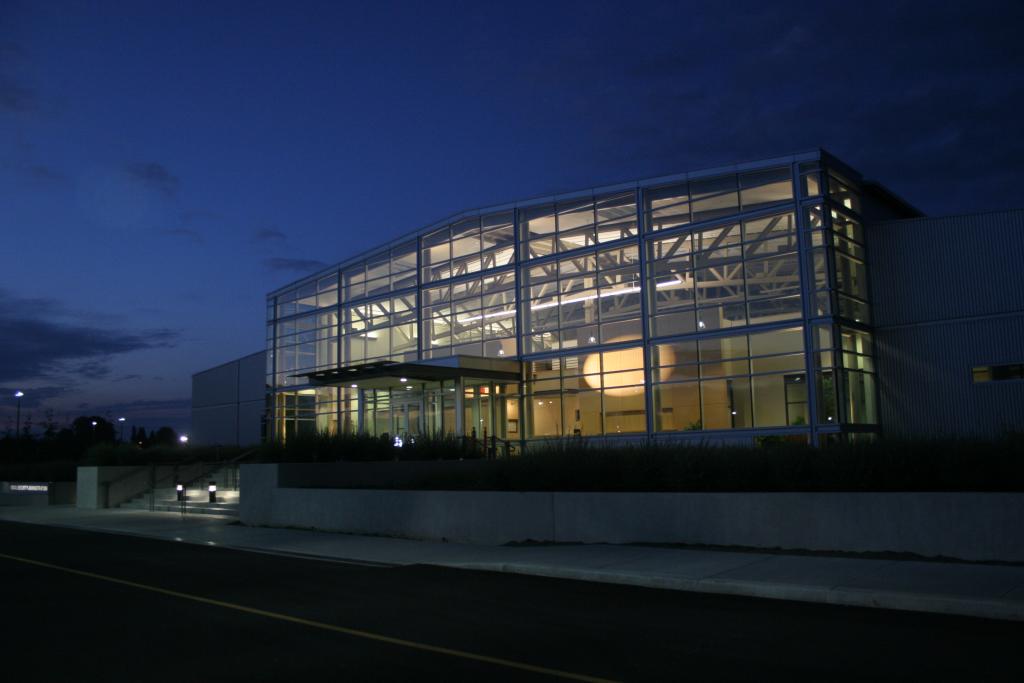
(816, 153)
(879, 190)
(229, 362)
(871, 186)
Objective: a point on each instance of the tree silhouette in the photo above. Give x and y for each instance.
(87, 433)
(165, 436)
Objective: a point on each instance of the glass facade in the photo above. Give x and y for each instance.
(713, 302)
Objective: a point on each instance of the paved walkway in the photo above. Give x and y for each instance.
(969, 589)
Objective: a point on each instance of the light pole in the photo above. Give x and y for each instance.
(121, 420)
(17, 424)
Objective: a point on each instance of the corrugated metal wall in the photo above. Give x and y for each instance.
(927, 269)
(948, 295)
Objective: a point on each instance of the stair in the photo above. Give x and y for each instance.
(197, 497)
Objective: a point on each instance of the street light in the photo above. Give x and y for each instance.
(121, 420)
(17, 425)
(183, 439)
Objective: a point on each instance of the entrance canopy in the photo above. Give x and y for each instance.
(387, 373)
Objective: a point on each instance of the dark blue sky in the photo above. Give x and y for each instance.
(164, 165)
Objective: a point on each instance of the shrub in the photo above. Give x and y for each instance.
(580, 465)
(364, 448)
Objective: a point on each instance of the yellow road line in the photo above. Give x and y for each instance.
(461, 654)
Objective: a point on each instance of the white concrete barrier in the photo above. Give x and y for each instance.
(92, 484)
(967, 526)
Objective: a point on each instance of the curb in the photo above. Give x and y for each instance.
(210, 544)
(1005, 610)
(984, 608)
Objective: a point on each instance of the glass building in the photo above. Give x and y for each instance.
(725, 304)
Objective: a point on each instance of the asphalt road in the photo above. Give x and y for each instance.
(89, 606)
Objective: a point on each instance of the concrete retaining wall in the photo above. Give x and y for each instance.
(111, 485)
(968, 526)
(91, 485)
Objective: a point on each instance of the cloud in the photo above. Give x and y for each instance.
(187, 233)
(200, 215)
(45, 174)
(93, 369)
(15, 97)
(37, 342)
(34, 396)
(269, 235)
(294, 264)
(153, 411)
(144, 412)
(143, 405)
(150, 404)
(10, 52)
(155, 177)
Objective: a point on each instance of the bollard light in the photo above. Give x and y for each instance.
(212, 488)
(180, 488)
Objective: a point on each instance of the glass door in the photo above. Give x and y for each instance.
(478, 416)
(407, 411)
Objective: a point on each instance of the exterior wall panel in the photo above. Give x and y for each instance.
(228, 402)
(925, 378)
(216, 386)
(928, 269)
(252, 381)
(948, 296)
(215, 425)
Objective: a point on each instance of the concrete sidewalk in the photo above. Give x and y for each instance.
(978, 590)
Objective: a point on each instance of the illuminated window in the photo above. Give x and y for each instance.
(472, 317)
(575, 224)
(756, 380)
(582, 300)
(469, 246)
(589, 394)
(724, 276)
(843, 192)
(713, 198)
(997, 373)
(761, 189)
(382, 328)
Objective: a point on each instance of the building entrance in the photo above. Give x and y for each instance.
(486, 409)
(461, 396)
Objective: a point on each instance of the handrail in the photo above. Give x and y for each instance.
(136, 483)
(230, 465)
(119, 482)
(126, 475)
